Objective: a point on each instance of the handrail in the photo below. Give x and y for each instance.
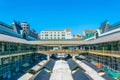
(106, 52)
(13, 52)
(62, 51)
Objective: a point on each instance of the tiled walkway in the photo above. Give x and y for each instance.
(61, 71)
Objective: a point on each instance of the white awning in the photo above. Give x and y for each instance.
(26, 76)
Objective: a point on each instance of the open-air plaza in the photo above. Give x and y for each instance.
(24, 56)
(59, 40)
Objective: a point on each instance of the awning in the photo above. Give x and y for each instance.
(83, 57)
(26, 76)
(25, 65)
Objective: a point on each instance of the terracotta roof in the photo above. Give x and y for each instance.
(89, 30)
(53, 30)
(67, 30)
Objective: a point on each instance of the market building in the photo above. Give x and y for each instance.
(17, 52)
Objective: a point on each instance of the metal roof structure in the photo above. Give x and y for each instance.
(50, 64)
(42, 75)
(108, 38)
(107, 77)
(6, 38)
(89, 70)
(92, 66)
(72, 64)
(79, 75)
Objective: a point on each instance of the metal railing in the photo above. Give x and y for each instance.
(62, 51)
(14, 52)
(106, 52)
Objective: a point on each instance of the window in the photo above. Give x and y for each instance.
(63, 37)
(46, 34)
(63, 33)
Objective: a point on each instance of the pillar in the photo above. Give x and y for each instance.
(103, 47)
(19, 48)
(48, 57)
(60, 47)
(89, 48)
(37, 48)
(73, 57)
(119, 46)
(3, 48)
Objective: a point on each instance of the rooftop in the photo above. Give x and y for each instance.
(89, 30)
(53, 30)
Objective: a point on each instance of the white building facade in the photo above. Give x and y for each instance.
(55, 34)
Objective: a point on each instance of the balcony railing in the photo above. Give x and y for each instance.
(106, 52)
(100, 52)
(14, 52)
(62, 51)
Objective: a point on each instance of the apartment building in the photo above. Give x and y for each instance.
(55, 34)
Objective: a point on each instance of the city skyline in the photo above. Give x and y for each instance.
(53, 15)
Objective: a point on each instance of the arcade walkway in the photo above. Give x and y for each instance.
(61, 71)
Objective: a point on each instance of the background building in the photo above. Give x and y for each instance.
(20, 30)
(78, 36)
(88, 34)
(55, 34)
(105, 29)
(28, 33)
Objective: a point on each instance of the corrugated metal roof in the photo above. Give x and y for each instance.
(42, 75)
(72, 64)
(107, 77)
(92, 66)
(50, 64)
(79, 75)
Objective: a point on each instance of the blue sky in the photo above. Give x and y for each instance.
(77, 15)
